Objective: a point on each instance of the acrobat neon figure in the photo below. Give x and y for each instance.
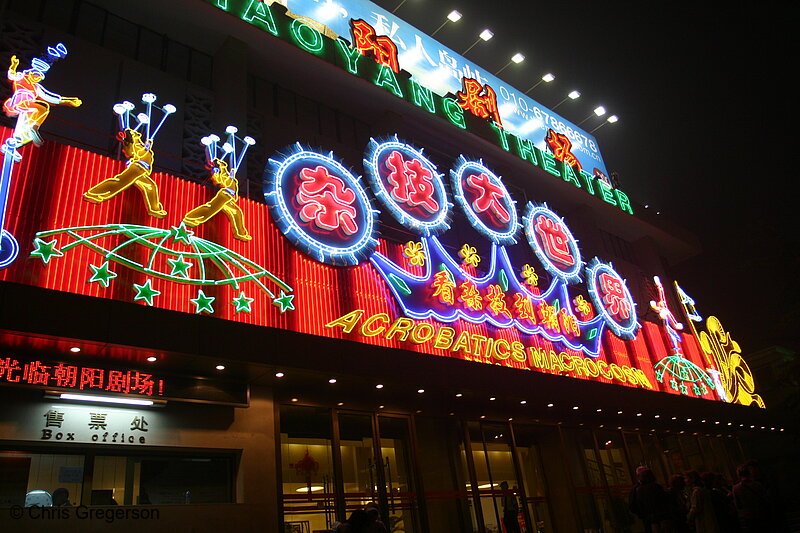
(671, 323)
(223, 174)
(138, 148)
(30, 102)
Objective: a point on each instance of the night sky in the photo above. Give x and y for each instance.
(703, 136)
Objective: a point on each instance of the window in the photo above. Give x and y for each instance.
(47, 479)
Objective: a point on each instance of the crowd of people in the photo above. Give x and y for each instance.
(705, 503)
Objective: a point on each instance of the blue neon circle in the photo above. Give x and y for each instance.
(415, 218)
(9, 249)
(502, 233)
(625, 329)
(331, 247)
(563, 271)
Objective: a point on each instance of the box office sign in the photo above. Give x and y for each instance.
(54, 422)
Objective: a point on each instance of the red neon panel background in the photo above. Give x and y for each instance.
(46, 193)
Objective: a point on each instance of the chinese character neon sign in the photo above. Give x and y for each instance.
(408, 185)
(321, 207)
(485, 200)
(553, 243)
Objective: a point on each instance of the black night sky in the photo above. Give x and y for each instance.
(703, 136)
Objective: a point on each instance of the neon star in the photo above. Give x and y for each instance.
(102, 274)
(673, 383)
(285, 302)
(145, 292)
(242, 303)
(179, 266)
(181, 234)
(684, 390)
(45, 250)
(203, 302)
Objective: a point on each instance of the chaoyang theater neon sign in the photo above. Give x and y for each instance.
(326, 212)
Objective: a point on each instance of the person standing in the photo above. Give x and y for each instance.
(648, 501)
(510, 509)
(701, 505)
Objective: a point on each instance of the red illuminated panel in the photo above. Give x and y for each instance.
(96, 258)
(639, 353)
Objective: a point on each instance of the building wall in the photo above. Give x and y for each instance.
(246, 434)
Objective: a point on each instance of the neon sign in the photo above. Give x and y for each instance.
(408, 185)
(223, 175)
(481, 99)
(611, 298)
(681, 372)
(382, 49)
(30, 103)
(734, 377)
(562, 149)
(485, 200)
(553, 243)
(138, 148)
(321, 207)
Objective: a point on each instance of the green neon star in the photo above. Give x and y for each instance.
(179, 266)
(673, 383)
(145, 292)
(45, 250)
(285, 302)
(684, 390)
(203, 302)
(180, 233)
(697, 390)
(242, 303)
(102, 274)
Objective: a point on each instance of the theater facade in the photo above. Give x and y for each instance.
(265, 262)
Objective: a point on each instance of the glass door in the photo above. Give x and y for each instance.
(307, 472)
(399, 489)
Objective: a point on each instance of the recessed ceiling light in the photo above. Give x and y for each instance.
(638, 414)
(549, 405)
(279, 374)
(599, 410)
(332, 381)
(152, 358)
(420, 391)
(459, 395)
(220, 367)
(575, 407)
(379, 386)
(619, 412)
(492, 398)
(523, 402)
(74, 349)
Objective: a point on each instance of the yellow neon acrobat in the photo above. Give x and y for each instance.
(138, 148)
(224, 200)
(223, 175)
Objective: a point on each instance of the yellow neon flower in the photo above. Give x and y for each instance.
(530, 276)
(470, 255)
(414, 252)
